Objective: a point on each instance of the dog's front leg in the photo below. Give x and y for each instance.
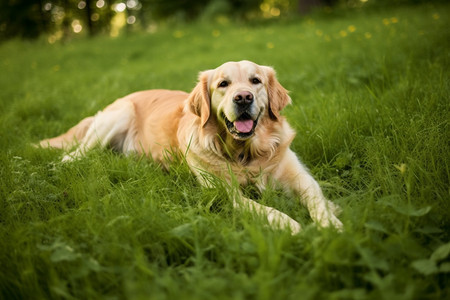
(275, 217)
(295, 177)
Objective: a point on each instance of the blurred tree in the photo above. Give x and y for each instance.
(89, 17)
(180, 9)
(64, 18)
(244, 8)
(305, 6)
(23, 18)
(97, 14)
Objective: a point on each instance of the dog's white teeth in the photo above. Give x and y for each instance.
(244, 126)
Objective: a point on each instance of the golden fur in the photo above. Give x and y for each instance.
(229, 125)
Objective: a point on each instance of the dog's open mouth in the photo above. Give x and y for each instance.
(243, 127)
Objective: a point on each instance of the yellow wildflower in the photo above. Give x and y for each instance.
(401, 168)
(216, 33)
(178, 34)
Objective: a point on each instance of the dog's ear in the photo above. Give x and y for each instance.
(278, 95)
(199, 99)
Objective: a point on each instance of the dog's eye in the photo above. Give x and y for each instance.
(223, 83)
(255, 81)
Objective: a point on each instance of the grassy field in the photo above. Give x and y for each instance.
(370, 94)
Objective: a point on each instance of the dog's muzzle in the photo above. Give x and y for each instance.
(243, 127)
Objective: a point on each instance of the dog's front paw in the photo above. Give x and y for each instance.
(331, 221)
(334, 208)
(283, 221)
(294, 226)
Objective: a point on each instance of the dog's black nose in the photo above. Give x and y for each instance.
(245, 98)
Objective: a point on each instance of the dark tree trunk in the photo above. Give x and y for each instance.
(66, 20)
(89, 17)
(305, 6)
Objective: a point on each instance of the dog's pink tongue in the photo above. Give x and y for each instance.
(244, 126)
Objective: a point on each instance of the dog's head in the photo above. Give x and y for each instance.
(238, 95)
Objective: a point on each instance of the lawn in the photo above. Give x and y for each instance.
(370, 94)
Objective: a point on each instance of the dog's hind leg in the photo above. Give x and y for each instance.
(108, 127)
(69, 139)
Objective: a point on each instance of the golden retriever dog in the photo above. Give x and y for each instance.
(229, 126)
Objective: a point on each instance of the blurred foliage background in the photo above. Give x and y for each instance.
(64, 19)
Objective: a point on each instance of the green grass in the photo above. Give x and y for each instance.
(371, 108)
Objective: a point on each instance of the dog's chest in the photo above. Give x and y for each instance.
(251, 172)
